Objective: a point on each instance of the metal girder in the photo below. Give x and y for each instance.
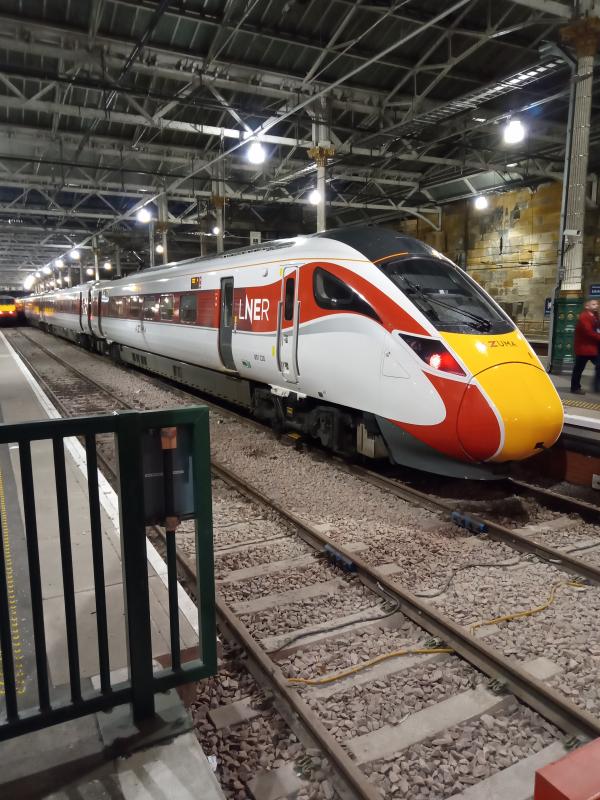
(563, 10)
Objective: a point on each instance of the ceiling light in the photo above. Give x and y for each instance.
(67, 279)
(256, 153)
(75, 255)
(37, 274)
(216, 230)
(107, 265)
(46, 270)
(479, 119)
(159, 249)
(59, 263)
(28, 282)
(89, 271)
(514, 132)
(144, 216)
(314, 198)
(481, 202)
(512, 164)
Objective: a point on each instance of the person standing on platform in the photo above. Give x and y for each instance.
(587, 343)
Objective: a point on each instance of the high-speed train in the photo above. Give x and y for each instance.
(363, 338)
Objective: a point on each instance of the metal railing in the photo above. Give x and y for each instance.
(139, 445)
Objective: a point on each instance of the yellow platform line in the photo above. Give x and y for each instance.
(12, 601)
(581, 404)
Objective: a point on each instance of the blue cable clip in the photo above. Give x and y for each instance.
(465, 521)
(338, 559)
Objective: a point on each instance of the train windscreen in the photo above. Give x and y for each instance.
(446, 296)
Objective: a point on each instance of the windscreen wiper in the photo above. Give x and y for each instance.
(479, 323)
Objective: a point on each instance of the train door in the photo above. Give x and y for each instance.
(226, 323)
(82, 311)
(288, 314)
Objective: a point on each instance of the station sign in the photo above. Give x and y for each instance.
(594, 290)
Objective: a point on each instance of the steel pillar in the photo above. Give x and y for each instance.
(151, 241)
(584, 36)
(218, 199)
(320, 155)
(118, 272)
(96, 259)
(163, 223)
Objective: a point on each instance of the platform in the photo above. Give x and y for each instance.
(79, 758)
(582, 412)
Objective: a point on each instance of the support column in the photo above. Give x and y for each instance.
(584, 36)
(320, 155)
(96, 259)
(163, 224)
(218, 200)
(151, 241)
(118, 272)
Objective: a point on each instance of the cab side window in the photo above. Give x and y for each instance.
(332, 293)
(187, 308)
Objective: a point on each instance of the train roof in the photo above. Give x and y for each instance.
(376, 243)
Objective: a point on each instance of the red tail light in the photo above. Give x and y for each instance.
(434, 354)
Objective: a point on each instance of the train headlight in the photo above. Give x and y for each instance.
(434, 354)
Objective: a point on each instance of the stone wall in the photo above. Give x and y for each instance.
(511, 248)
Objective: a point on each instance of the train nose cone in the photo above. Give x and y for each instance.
(529, 409)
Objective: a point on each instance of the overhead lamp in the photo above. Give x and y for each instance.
(38, 274)
(107, 265)
(75, 255)
(89, 271)
(28, 282)
(216, 230)
(59, 281)
(47, 270)
(144, 216)
(159, 249)
(256, 153)
(481, 202)
(59, 263)
(512, 164)
(67, 279)
(514, 132)
(314, 198)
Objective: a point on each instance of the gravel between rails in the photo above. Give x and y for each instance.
(424, 543)
(463, 755)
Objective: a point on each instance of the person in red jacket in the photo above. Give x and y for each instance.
(587, 341)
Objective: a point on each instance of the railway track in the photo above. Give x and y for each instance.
(338, 579)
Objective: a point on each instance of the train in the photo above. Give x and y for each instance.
(8, 309)
(363, 338)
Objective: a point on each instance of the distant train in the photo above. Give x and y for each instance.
(363, 338)
(8, 308)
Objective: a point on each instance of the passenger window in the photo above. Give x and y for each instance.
(288, 307)
(151, 308)
(166, 307)
(332, 293)
(135, 306)
(187, 308)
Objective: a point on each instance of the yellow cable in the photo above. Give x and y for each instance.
(336, 676)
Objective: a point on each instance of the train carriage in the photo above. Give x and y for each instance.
(363, 338)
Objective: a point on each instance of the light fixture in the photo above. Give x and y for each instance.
(256, 153)
(107, 265)
(47, 270)
(144, 216)
(514, 132)
(59, 281)
(89, 271)
(28, 282)
(479, 119)
(159, 249)
(512, 164)
(314, 198)
(481, 202)
(59, 263)
(37, 274)
(216, 230)
(67, 279)
(75, 255)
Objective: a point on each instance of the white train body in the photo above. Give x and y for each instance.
(332, 322)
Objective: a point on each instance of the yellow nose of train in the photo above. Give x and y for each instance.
(527, 407)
